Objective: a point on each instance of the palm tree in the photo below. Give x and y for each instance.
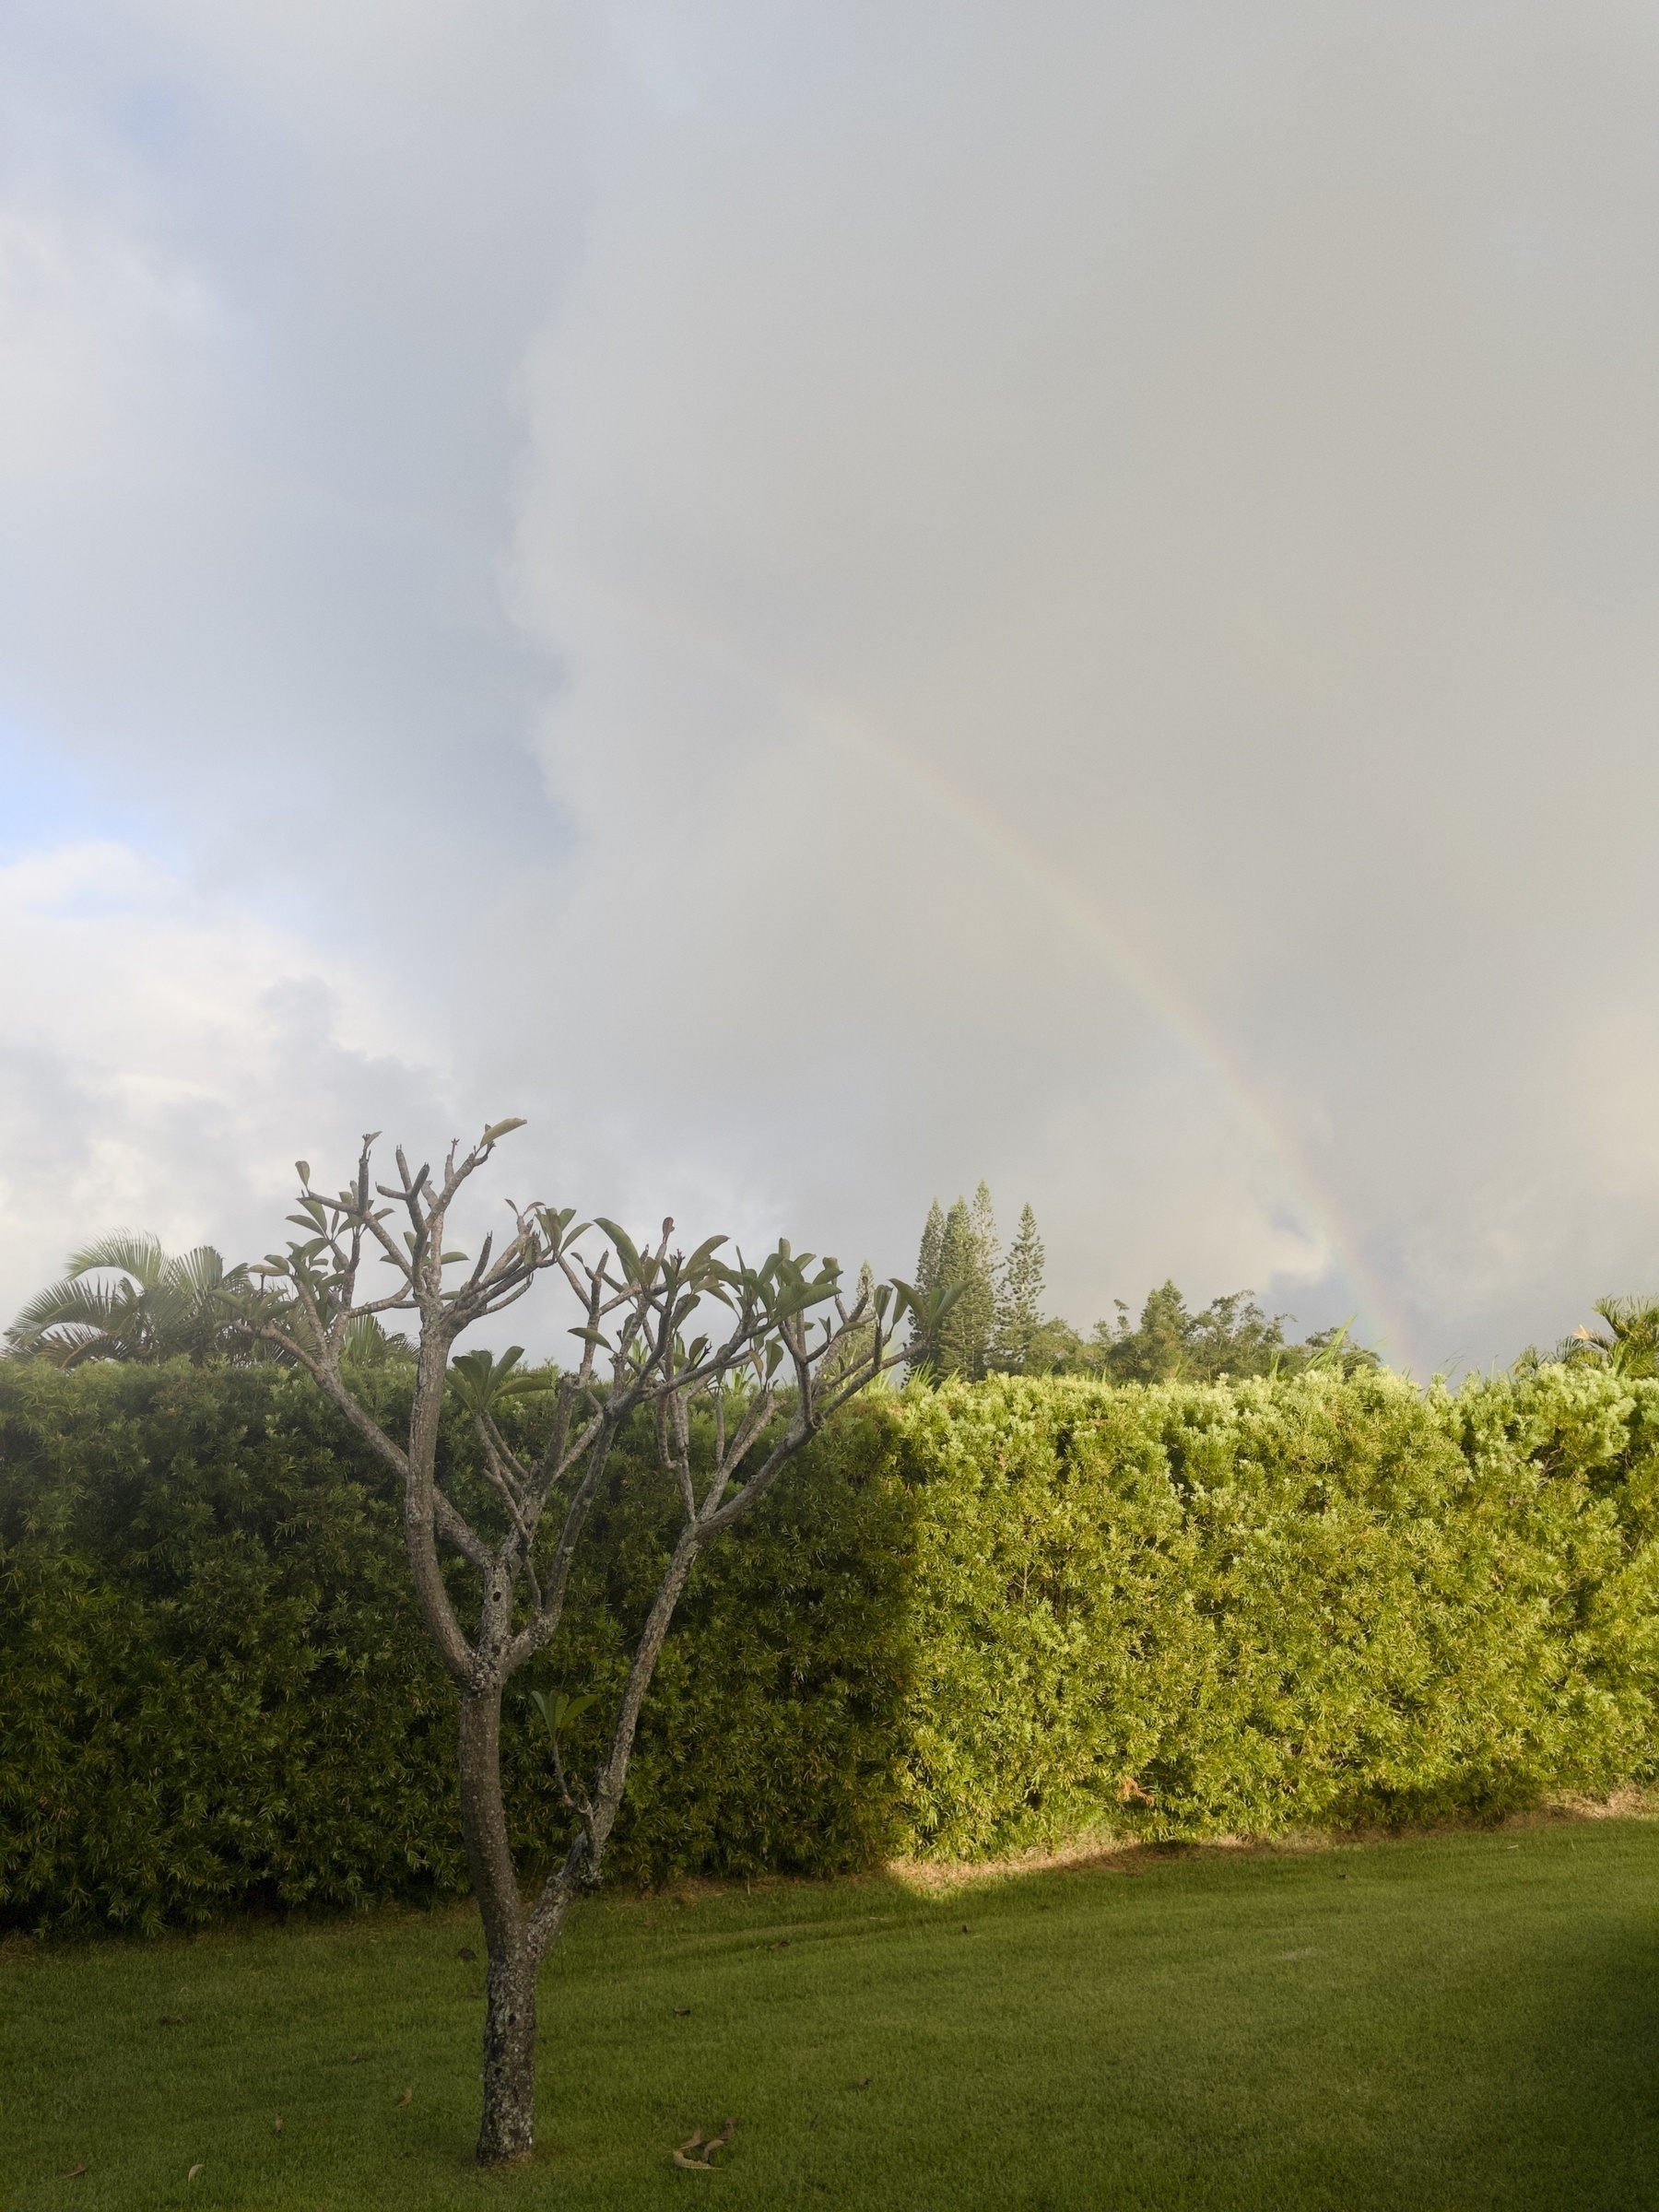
(161, 1306)
(1630, 1343)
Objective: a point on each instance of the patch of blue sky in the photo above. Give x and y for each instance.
(48, 801)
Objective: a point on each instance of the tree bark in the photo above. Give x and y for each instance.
(506, 2132)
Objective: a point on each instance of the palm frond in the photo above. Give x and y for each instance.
(1629, 1345)
(159, 1306)
(127, 1252)
(87, 1305)
(200, 1272)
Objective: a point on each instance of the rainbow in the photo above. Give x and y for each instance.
(1041, 879)
(1065, 898)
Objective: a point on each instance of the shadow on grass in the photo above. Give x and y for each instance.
(1523, 2076)
(1556, 2066)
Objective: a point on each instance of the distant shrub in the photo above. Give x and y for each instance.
(970, 1621)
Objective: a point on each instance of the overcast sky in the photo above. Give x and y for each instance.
(828, 601)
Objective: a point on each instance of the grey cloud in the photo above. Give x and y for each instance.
(1065, 594)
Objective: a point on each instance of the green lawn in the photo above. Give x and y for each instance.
(1461, 2021)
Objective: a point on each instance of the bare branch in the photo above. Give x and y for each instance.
(639, 1305)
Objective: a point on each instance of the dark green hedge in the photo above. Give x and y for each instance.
(217, 1691)
(969, 1621)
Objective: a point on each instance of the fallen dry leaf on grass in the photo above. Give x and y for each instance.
(682, 2012)
(685, 2157)
(863, 2084)
(172, 2019)
(75, 2173)
(467, 1954)
(277, 2129)
(782, 1944)
(194, 2171)
(359, 2060)
(407, 2097)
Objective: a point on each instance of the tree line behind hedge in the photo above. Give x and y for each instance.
(997, 1324)
(978, 1618)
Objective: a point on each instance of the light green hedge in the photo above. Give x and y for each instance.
(1244, 1610)
(968, 1622)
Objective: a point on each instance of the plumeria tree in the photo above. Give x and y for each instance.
(773, 1350)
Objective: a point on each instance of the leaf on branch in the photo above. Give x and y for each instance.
(303, 1169)
(929, 1307)
(479, 1380)
(450, 1257)
(556, 1228)
(627, 1250)
(559, 1709)
(499, 1129)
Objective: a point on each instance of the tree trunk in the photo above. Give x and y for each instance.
(506, 2134)
(506, 2131)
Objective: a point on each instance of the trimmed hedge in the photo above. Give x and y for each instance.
(1314, 1602)
(966, 1622)
(217, 1691)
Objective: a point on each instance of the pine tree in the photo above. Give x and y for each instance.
(923, 1351)
(933, 1247)
(967, 1256)
(962, 1247)
(1020, 1297)
(989, 1245)
(953, 1345)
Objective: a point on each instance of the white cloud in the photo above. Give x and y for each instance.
(164, 1060)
